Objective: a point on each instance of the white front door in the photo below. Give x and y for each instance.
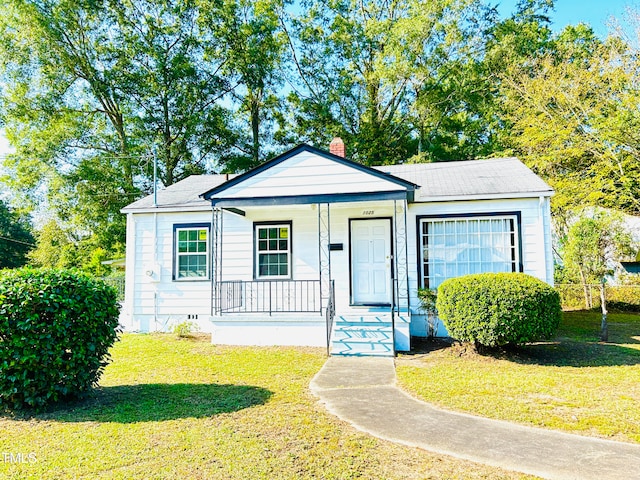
(371, 261)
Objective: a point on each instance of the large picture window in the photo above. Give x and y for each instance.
(191, 252)
(456, 246)
(273, 250)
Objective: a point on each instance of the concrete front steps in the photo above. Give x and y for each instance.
(363, 335)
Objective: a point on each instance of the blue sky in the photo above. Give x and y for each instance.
(570, 12)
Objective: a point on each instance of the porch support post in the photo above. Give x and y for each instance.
(324, 256)
(216, 260)
(401, 258)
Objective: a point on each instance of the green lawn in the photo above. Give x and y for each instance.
(573, 383)
(175, 409)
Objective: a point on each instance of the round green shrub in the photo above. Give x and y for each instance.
(56, 328)
(494, 309)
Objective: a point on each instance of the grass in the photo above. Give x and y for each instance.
(170, 408)
(574, 383)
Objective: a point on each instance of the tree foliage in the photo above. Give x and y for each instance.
(57, 247)
(390, 78)
(16, 238)
(595, 243)
(93, 91)
(573, 111)
(250, 32)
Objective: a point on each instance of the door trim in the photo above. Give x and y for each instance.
(391, 269)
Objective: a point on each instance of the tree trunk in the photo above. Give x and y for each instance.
(604, 327)
(170, 157)
(587, 297)
(255, 129)
(117, 121)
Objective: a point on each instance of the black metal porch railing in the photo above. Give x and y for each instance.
(269, 296)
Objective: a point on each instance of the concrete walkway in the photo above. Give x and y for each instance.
(363, 392)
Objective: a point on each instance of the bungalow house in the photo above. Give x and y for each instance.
(311, 248)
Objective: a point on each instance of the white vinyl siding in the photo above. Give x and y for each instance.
(192, 253)
(310, 174)
(158, 301)
(452, 247)
(273, 251)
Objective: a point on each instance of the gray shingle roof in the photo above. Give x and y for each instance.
(185, 193)
(498, 177)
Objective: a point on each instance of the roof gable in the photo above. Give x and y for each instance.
(307, 173)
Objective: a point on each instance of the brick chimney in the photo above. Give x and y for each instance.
(337, 147)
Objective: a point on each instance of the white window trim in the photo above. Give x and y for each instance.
(256, 229)
(178, 254)
(506, 216)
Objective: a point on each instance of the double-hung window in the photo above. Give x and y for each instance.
(273, 250)
(456, 246)
(191, 252)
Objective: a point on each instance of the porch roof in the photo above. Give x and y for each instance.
(307, 175)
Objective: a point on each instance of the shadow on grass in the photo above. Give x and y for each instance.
(154, 402)
(561, 352)
(423, 346)
(569, 353)
(576, 345)
(584, 325)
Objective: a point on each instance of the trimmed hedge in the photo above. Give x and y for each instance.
(494, 309)
(56, 328)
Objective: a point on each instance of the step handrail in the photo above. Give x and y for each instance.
(394, 306)
(330, 314)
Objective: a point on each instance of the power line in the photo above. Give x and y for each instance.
(101, 157)
(17, 241)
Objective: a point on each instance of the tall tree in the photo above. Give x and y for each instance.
(450, 84)
(573, 121)
(59, 98)
(573, 117)
(172, 66)
(362, 65)
(594, 243)
(90, 88)
(510, 43)
(250, 32)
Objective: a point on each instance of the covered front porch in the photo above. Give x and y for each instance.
(350, 296)
(325, 266)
